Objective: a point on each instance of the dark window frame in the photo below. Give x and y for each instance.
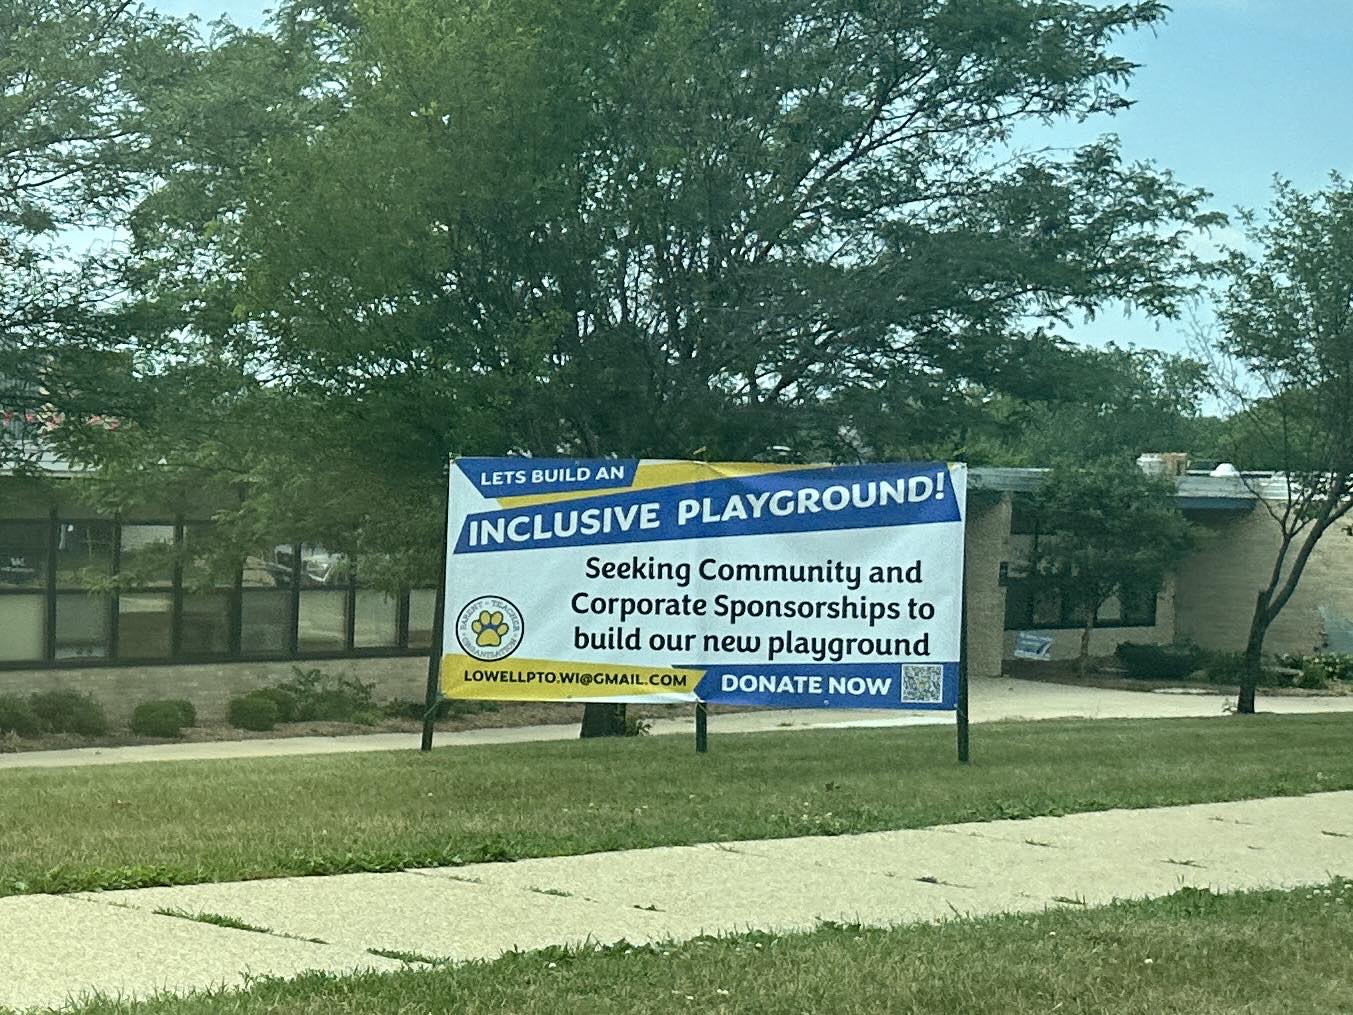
(51, 591)
(1066, 621)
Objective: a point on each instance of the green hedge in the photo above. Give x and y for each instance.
(163, 718)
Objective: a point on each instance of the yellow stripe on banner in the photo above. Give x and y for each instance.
(651, 475)
(561, 680)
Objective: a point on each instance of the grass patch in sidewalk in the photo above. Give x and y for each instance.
(1192, 953)
(230, 923)
(131, 826)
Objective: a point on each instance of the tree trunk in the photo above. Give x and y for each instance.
(1083, 662)
(603, 719)
(1254, 655)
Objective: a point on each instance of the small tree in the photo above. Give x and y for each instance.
(1287, 318)
(1107, 530)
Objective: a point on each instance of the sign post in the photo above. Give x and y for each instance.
(669, 581)
(433, 695)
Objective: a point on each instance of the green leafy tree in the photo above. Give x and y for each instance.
(1105, 530)
(76, 81)
(659, 228)
(1287, 320)
(1099, 403)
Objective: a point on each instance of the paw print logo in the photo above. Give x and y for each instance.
(489, 628)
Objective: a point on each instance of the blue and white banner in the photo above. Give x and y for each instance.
(602, 580)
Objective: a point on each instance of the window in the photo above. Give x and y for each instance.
(322, 569)
(204, 625)
(23, 555)
(1018, 605)
(270, 568)
(1027, 608)
(422, 613)
(376, 622)
(1139, 608)
(180, 598)
(83, 549)
(23, 627)
(83, 625)
(266, 621)
(148, 555)
(203, 565)
(144, 625)
(322, 624)
(1023, 520)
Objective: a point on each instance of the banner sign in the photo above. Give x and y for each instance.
(1029, 645)
(662, 581)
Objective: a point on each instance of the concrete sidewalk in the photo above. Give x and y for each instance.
(54, 947)
(992, 700)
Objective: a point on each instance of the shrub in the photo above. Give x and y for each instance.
(69, 712)
(1227, 668)
(1337, 666)
(164, 718)
(286, 702)
(1322, 670)
(187, 711)
(17, 717)
(637, 727)
(253, 711)
(320, 697)
(1160, 662)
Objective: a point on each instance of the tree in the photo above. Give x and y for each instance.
(1105, 529)
(1287, 320)
(661, 228)
(1099, 403)
(76, 80)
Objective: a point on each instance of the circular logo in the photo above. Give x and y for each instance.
(489, 628)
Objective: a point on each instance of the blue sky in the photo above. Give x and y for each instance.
(1229, 93)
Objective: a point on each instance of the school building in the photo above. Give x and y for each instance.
(297, 603)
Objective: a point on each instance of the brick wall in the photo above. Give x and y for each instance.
(988, 532)
(209, 686)
(1217, 585)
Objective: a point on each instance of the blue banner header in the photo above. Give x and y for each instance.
(805, 500)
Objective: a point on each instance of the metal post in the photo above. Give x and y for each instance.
(433, 696)
(961, 713)
(701, 728)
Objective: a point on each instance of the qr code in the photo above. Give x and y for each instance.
(922, 683)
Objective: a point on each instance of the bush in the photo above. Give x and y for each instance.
(17, 717)
(286, 702)
(1324, 669)
(1160, 662)
(1228, 668)
(164, 718)
(187, 711)
(637, 727)
(69, 712)
(253, 711)
(1336, 666)
(321, 698)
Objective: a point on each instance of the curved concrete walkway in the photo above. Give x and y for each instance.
(136, 943)
(992, 700)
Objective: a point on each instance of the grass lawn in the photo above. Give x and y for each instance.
(1189, 954)
(134, 825)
